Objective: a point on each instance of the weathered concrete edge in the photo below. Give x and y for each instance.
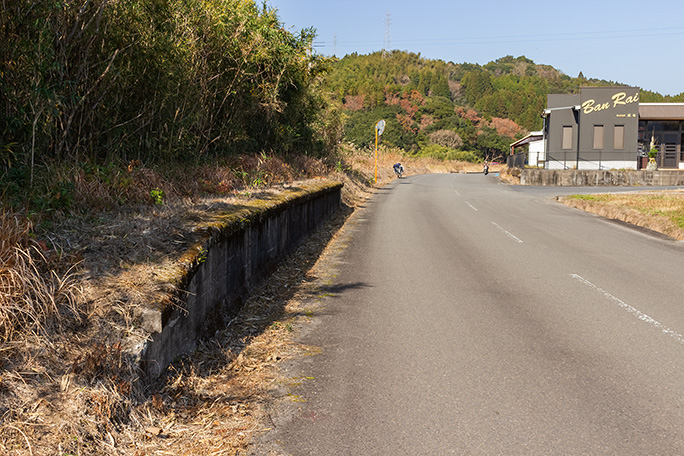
(599, 178)
(233, 253)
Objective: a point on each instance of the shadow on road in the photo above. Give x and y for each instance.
(336, 289)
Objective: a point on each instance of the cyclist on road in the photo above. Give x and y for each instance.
(398, 169)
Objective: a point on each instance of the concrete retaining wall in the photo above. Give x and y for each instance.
(231, 259)
(583, 178)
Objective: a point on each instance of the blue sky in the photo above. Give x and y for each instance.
(639, 43)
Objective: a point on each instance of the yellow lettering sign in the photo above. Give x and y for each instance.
(622, 99)
(619, 99)
(590, 106)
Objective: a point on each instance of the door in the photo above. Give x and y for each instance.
(668, 157)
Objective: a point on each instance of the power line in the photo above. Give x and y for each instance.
(551, 37)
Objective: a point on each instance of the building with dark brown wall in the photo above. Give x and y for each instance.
(595, 129)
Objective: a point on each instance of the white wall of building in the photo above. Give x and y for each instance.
(593, 165)
(536, 155)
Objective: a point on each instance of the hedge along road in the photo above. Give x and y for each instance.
(470, 317)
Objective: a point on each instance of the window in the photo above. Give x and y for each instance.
(598, 136)
(619, 137)
(567, 138)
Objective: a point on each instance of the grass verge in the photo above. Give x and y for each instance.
(658, 211)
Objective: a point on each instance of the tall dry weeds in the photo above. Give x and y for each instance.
(40, 297)
(33, 297)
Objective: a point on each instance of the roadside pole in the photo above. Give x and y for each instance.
(379, 128)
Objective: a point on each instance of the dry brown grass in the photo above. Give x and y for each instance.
(364, 161)
(39, 304)
(75, 395)
(34, 297)
(67, 385)
(658, 211)
(509, 175)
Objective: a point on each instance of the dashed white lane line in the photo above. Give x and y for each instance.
(471, 206)
(634, 311)
(508, 233)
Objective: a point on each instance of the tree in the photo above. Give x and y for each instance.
(446, 138)
(476, 85)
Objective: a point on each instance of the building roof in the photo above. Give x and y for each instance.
(533, 136)
(661, 111)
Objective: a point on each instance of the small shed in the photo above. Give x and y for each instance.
(536, 151)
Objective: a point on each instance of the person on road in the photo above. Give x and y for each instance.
(398, 169)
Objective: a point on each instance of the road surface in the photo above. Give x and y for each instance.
(470, 317)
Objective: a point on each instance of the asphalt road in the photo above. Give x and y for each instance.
(470, 317)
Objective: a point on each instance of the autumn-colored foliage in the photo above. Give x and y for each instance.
(505, 127)
(446, 138)
(469, 114)
(354, 102)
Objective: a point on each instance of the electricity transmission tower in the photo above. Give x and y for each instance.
(387, 46)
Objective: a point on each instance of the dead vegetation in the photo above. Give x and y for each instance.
(68, 301)
(661, 211)
(40, 293)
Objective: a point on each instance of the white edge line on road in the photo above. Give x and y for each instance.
(471, 206)
(636, 312)
(508, 233)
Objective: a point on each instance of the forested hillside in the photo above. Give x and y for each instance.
(448, 110)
